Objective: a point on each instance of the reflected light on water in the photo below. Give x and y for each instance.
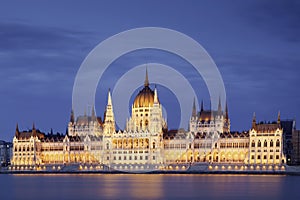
(149, 186)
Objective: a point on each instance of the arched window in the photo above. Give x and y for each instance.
(271, 143)
(153, 145)
(277, 143)
(265, 143)
(259, 143)
(107, 146)
(146, 123)
(141, 123)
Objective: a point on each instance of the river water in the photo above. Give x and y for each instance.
(149, 186)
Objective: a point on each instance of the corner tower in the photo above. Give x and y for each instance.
(109, 118)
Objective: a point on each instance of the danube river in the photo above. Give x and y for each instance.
(149, 186)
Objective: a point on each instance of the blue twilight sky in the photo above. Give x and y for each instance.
(255, 44)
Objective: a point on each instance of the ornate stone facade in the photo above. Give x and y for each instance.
(146, 142)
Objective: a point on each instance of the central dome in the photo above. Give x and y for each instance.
(145, 98)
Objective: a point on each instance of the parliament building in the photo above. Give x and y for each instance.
(92, 143)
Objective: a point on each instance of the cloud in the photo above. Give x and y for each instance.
(40, 56)
(16, 36)
(277, 18)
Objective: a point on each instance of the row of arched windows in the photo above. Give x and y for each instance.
(265, 144)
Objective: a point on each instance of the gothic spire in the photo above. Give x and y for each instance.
(109, 101)
(146, 83)
(254, 120)
(17, 130)
(33, 130)
(219, 106)
(194, 111)
(278, 118)
(109, 119)
(72, 118)
(254, 117)
(93, 113)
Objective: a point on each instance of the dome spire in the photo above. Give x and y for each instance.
(146, 84)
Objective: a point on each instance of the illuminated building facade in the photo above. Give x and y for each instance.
(146, 142)
(266, 143)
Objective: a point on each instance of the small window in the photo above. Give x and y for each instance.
(277, 143)
(265, 143)
(271, 143)
(259, 143)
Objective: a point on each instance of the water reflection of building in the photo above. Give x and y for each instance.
(146, 142)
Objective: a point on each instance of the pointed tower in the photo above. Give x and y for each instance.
(33, 130)
(94, 118)
(193, 119)
(226, 120)
(72, 117)
(17, 133)
(278, 118)
(219, 107)
(109, 119)
(254, 121)
(194, 111)
(226, 112)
